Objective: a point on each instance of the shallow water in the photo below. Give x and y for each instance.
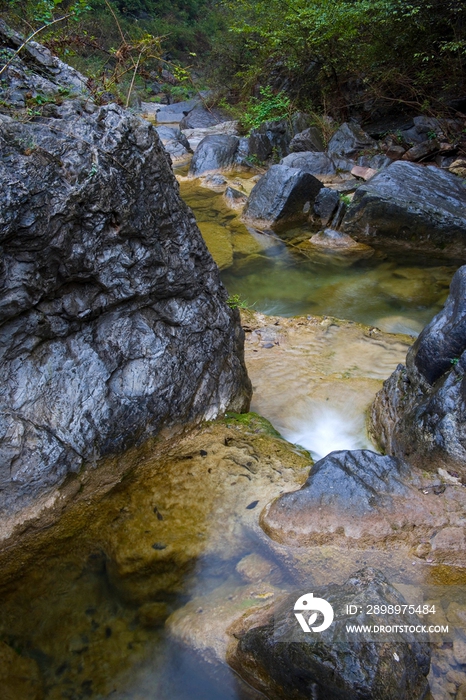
(398, 294)
(70, 616)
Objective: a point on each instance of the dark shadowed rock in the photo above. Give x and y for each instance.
(410, 207)
(315, 163)
(349, 140)
(272, 138)
(308, 140)
(420, 412)
(114, 322)
(216, 152)
(281, 660)
(422, 151)
(200, 117)
(280, 196)
(326, 204)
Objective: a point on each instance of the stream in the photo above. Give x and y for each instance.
(314, 383)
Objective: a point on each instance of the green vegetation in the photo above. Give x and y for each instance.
(235, 302)
(340, 54)
(268, 107)
(270, 57)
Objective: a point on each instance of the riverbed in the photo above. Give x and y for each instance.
(74, 616)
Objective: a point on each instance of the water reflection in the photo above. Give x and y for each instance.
(398, 293)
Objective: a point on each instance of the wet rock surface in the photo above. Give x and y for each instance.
(214, 153)
(114, 322)
(419, 414)
(282, 661)
(349, 140)
(280, 197)
(410, 207)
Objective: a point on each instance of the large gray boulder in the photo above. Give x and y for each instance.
(313, 162)
(350, 140)
(215, 153)
(282, 661)
(419, 414)
(308, 140)
(283, 195)
(410, 207)
(201, 117)
(113, 319)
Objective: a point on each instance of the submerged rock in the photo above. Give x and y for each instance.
(114, 322)
(234, 198)
(170, 522)
(419, 414)
(19, 676)
(341, 242)
(280, 197)
(281, 660)
(410, 207)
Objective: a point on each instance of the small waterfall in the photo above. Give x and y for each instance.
(325, 429)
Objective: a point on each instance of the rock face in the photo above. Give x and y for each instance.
(175, 143)
(280, 196)
(410, 207)
(420, 412)
(36, 73)
(282, 661)
(114, 322)
(315, 163)
(349, 140)
(308, 140)
(214, 153)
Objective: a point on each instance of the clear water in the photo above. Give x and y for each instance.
(68, 606)
(397, 293)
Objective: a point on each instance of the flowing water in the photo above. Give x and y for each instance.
(71, 615)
